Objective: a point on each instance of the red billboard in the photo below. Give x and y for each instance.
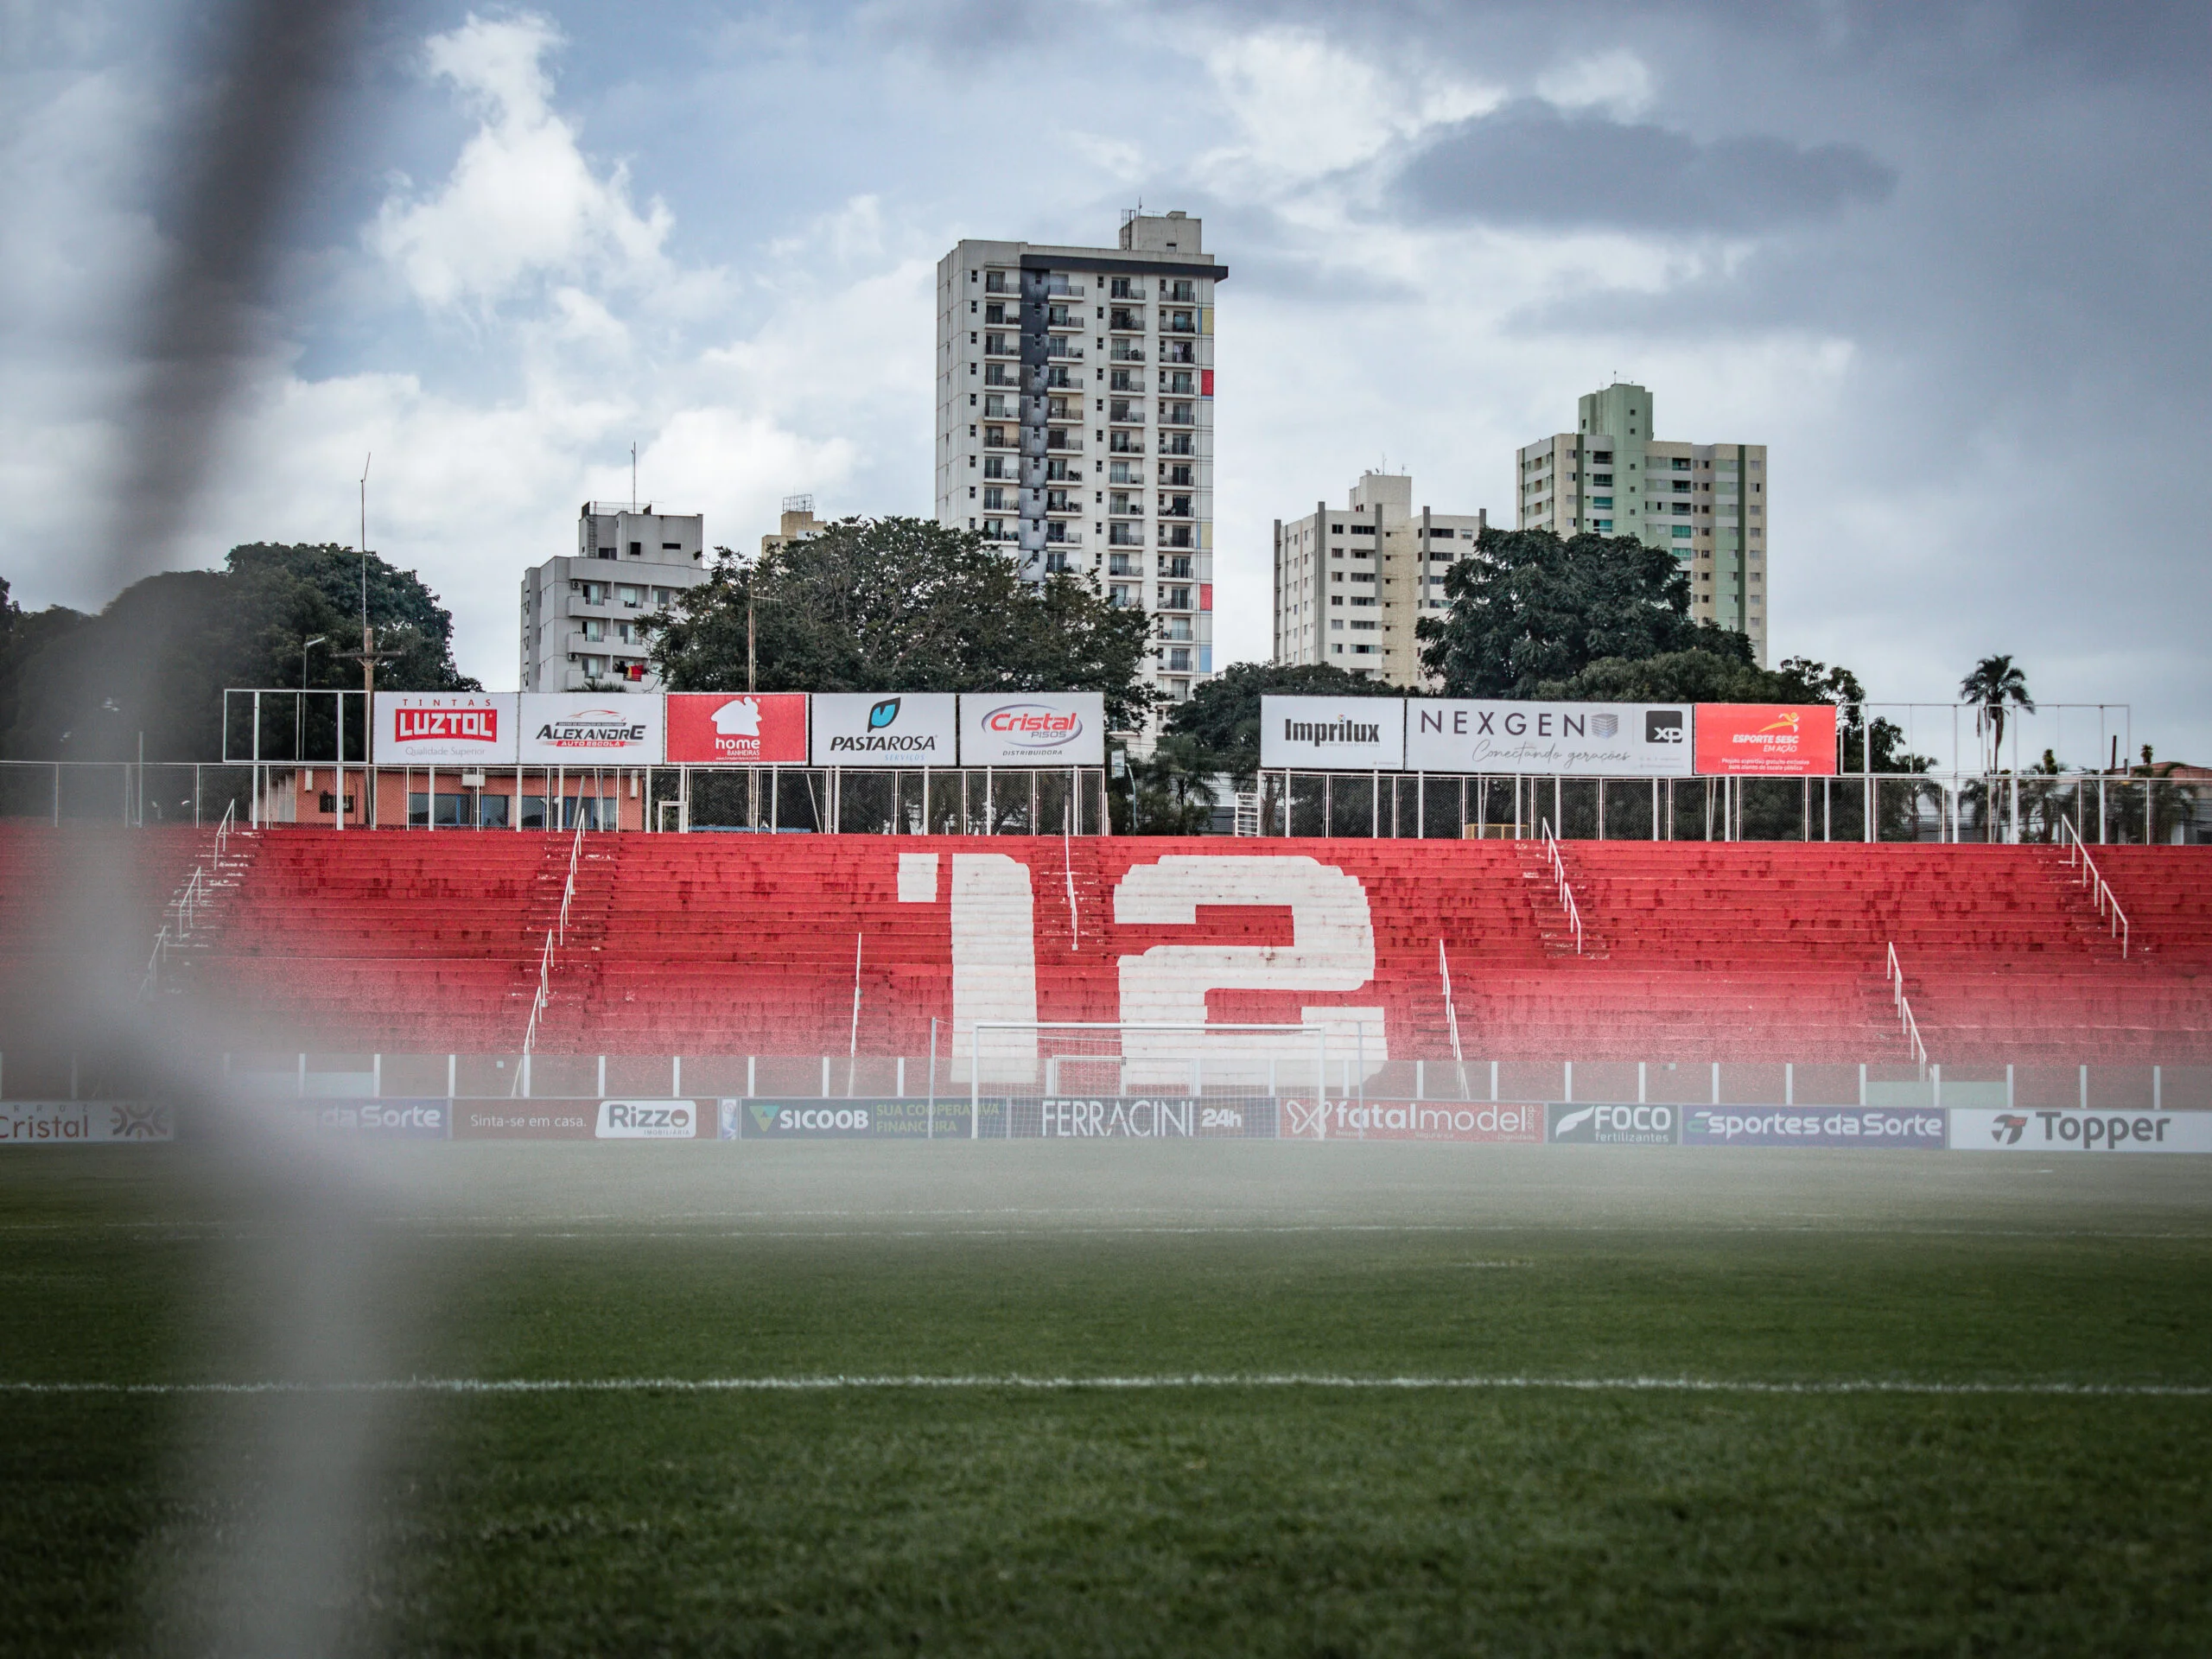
(1766, 740)
(737, 728)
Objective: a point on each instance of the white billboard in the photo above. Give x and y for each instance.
(444, 729)
(1333, 734)
(1034, 729)
(592, 728)
(867, 728)
(1573, 739)
(2042, 1130)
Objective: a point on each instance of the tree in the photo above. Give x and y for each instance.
(902, 605)
(1171, 792)
(1529, 609)
(1995, 684)
(1222, 714)
(198, 632)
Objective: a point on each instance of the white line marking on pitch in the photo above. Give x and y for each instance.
(825, 1384)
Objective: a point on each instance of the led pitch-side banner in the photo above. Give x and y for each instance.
(737, 728)
(1034, 729)
(863, 728)
(1573, 739)
(1333, 734)
(444, 729)
(1762, 740)
(591, 728)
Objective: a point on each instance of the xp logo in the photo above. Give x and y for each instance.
(883, 713)
(2006, 1127)
(1663, 726)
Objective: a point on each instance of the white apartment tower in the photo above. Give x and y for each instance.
(1074, 418)
(584, 617)
(1705, 502)
(1351, 582)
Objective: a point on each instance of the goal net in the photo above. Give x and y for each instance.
(1072, 1081)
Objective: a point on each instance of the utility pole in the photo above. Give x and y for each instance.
(749, 636)
(368, 642)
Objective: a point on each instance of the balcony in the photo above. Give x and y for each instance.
(1125, 534)
(1179, 351)
(1179, 443)
(1063, 345)
(1000, 374)
(1124, 351)
(1122, 322)
(1002, 344)
(1001, 282)
(1121, 412)
(1120, 564)
(1060, 535)
(1179, 322)
(1175, 506)
(1126, 288)
(1059, 288)
(1177, 567)
(1179, 536)
(1063, 441)
(1001, 437)
(1125, 444)
(1178, 415)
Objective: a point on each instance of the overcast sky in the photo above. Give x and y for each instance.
(1948, 261)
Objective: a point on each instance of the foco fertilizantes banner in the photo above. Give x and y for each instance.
(444, 729)
(591, 728)
(1571, 740)
(861, 728)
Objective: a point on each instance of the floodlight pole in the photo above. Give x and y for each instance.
(368, 643)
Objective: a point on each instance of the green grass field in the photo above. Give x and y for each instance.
(1276, 1517)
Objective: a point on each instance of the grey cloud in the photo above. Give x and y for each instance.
(1529, 162)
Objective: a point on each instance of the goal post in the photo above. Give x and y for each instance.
(1078, 1080)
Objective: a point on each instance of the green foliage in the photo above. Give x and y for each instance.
(1531, 609)
(1169, 793)
(1222, 714)
(202, 630)
(1994, 685)
(903, 605)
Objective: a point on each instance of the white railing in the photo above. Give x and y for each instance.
(2100, 893)
(182, 914)
(1893, 971)
(1565, 891)
(568, 891)
(1450, 1011)
(555, 936)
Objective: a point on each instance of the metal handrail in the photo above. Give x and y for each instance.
(555, 935)
(2101, 891)
(1894, 970)
(1450, 1011)
(1565, 891)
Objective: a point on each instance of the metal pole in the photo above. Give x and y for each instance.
(931, 1132)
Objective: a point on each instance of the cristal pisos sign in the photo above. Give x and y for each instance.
(1036, 729)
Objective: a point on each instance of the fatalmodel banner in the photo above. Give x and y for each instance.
(765, 729)
(860, 728)
(1411, 1119)
(1808, 1125)
(1333, 734)
(83, 1123)
(591, 728)
(1759, 740)
(1572, 740)
(444, 729)
(1064, 729)
(2031, 1129)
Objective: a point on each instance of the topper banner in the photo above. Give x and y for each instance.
(592, 728)
(444, 729)
(1333, 734)
(1570, 739)
(863, 728)
(1034, 729)
(737, 728)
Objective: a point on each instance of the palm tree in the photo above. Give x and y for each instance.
(1995, 684)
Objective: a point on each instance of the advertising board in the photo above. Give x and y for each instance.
(391, 1119)
(810, 1119)
(1178, 1117)
(1038, 728)
(861, 728)
(646, 1120)
(1333, 734)
(1766, 740)
(1924, 1129)
(1572, 740)
(591, 728)
(83, 1123)
(1411, 1119)
(442, 728)
(1613, 1126)
(745, 728)
(2038, 1130)
(524, 1120)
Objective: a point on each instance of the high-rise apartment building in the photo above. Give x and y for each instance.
(1351, 582)
(1074, 418)
(584, 617)
(1705, 502)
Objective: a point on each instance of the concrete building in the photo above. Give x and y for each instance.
(1351, 582)
(1705, 502)
(1074, 418)
(583, 616)
(797, 524)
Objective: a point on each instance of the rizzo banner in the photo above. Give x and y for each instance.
(859, 729)
(1748, 739)
(765, 729)
(2033, 1129)
(1062, 728)
(1824, 1126)
(1575, 740)
(1333, 734)
(83, 1123)
(444, 729)
(1410, 1120)
(591, 728)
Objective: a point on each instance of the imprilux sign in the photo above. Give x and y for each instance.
(1333, 734)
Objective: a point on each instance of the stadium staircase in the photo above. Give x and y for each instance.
(726, 944)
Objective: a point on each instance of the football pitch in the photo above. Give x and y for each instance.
(1153, 1398)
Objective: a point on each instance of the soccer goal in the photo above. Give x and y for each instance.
(1071, 1080)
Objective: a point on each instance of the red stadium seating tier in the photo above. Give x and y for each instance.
(735, 945)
